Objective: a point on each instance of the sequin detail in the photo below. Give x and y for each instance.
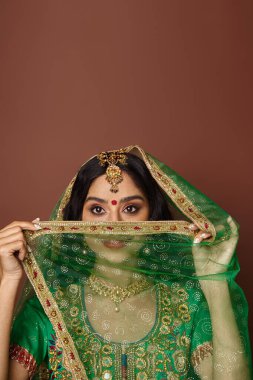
(23, 357)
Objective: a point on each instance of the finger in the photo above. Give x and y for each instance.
(11, 249)
(10, 238)
(193, 227)
(11, 231)
(201, 235)
(20, 254)
(23, 224)
(233, 226)
(36, 220)
(220, 227)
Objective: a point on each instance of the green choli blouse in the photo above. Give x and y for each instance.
(180, 338)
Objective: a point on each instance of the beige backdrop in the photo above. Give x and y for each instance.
(79, 77)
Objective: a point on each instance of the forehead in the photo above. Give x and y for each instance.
(100, 186)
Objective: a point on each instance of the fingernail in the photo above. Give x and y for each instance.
(37, 226)
(192, 227)
(35, 220)
(197, 240)
(205, 235)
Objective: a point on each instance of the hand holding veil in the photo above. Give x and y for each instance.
(212, 260)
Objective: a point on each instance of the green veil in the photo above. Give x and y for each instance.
(183, 317)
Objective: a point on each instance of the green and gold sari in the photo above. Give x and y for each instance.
(183, 317)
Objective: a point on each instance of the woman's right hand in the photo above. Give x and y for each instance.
(13, 249)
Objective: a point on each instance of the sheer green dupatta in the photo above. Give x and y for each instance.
(191, 316)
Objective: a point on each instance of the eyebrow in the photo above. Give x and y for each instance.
(122, 200)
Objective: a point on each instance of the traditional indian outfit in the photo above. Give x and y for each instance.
(72, 324)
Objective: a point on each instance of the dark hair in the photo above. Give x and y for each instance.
(139, 173)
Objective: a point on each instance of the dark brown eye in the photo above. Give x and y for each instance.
(131, 209)
(97, 210)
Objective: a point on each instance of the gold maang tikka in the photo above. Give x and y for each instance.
(113, 172)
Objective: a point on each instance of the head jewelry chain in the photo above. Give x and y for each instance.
(113, 172)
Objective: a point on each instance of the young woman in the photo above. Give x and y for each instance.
(132, 278)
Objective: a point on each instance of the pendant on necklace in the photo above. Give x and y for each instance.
(116, 308)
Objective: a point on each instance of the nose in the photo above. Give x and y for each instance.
(114, 216)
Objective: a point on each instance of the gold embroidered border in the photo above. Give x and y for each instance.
(111, 228)
(167, 184)
(202, 351)
(65, 198)
(177, 195)
(70, 355)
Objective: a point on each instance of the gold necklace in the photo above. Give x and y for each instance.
(116, 293)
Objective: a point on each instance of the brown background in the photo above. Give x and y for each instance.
(79, 77)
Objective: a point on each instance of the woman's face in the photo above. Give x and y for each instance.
(101, 205)
(128, 204)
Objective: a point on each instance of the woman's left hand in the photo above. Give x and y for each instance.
(213, 259)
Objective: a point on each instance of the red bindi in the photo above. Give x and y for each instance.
(114, 202)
